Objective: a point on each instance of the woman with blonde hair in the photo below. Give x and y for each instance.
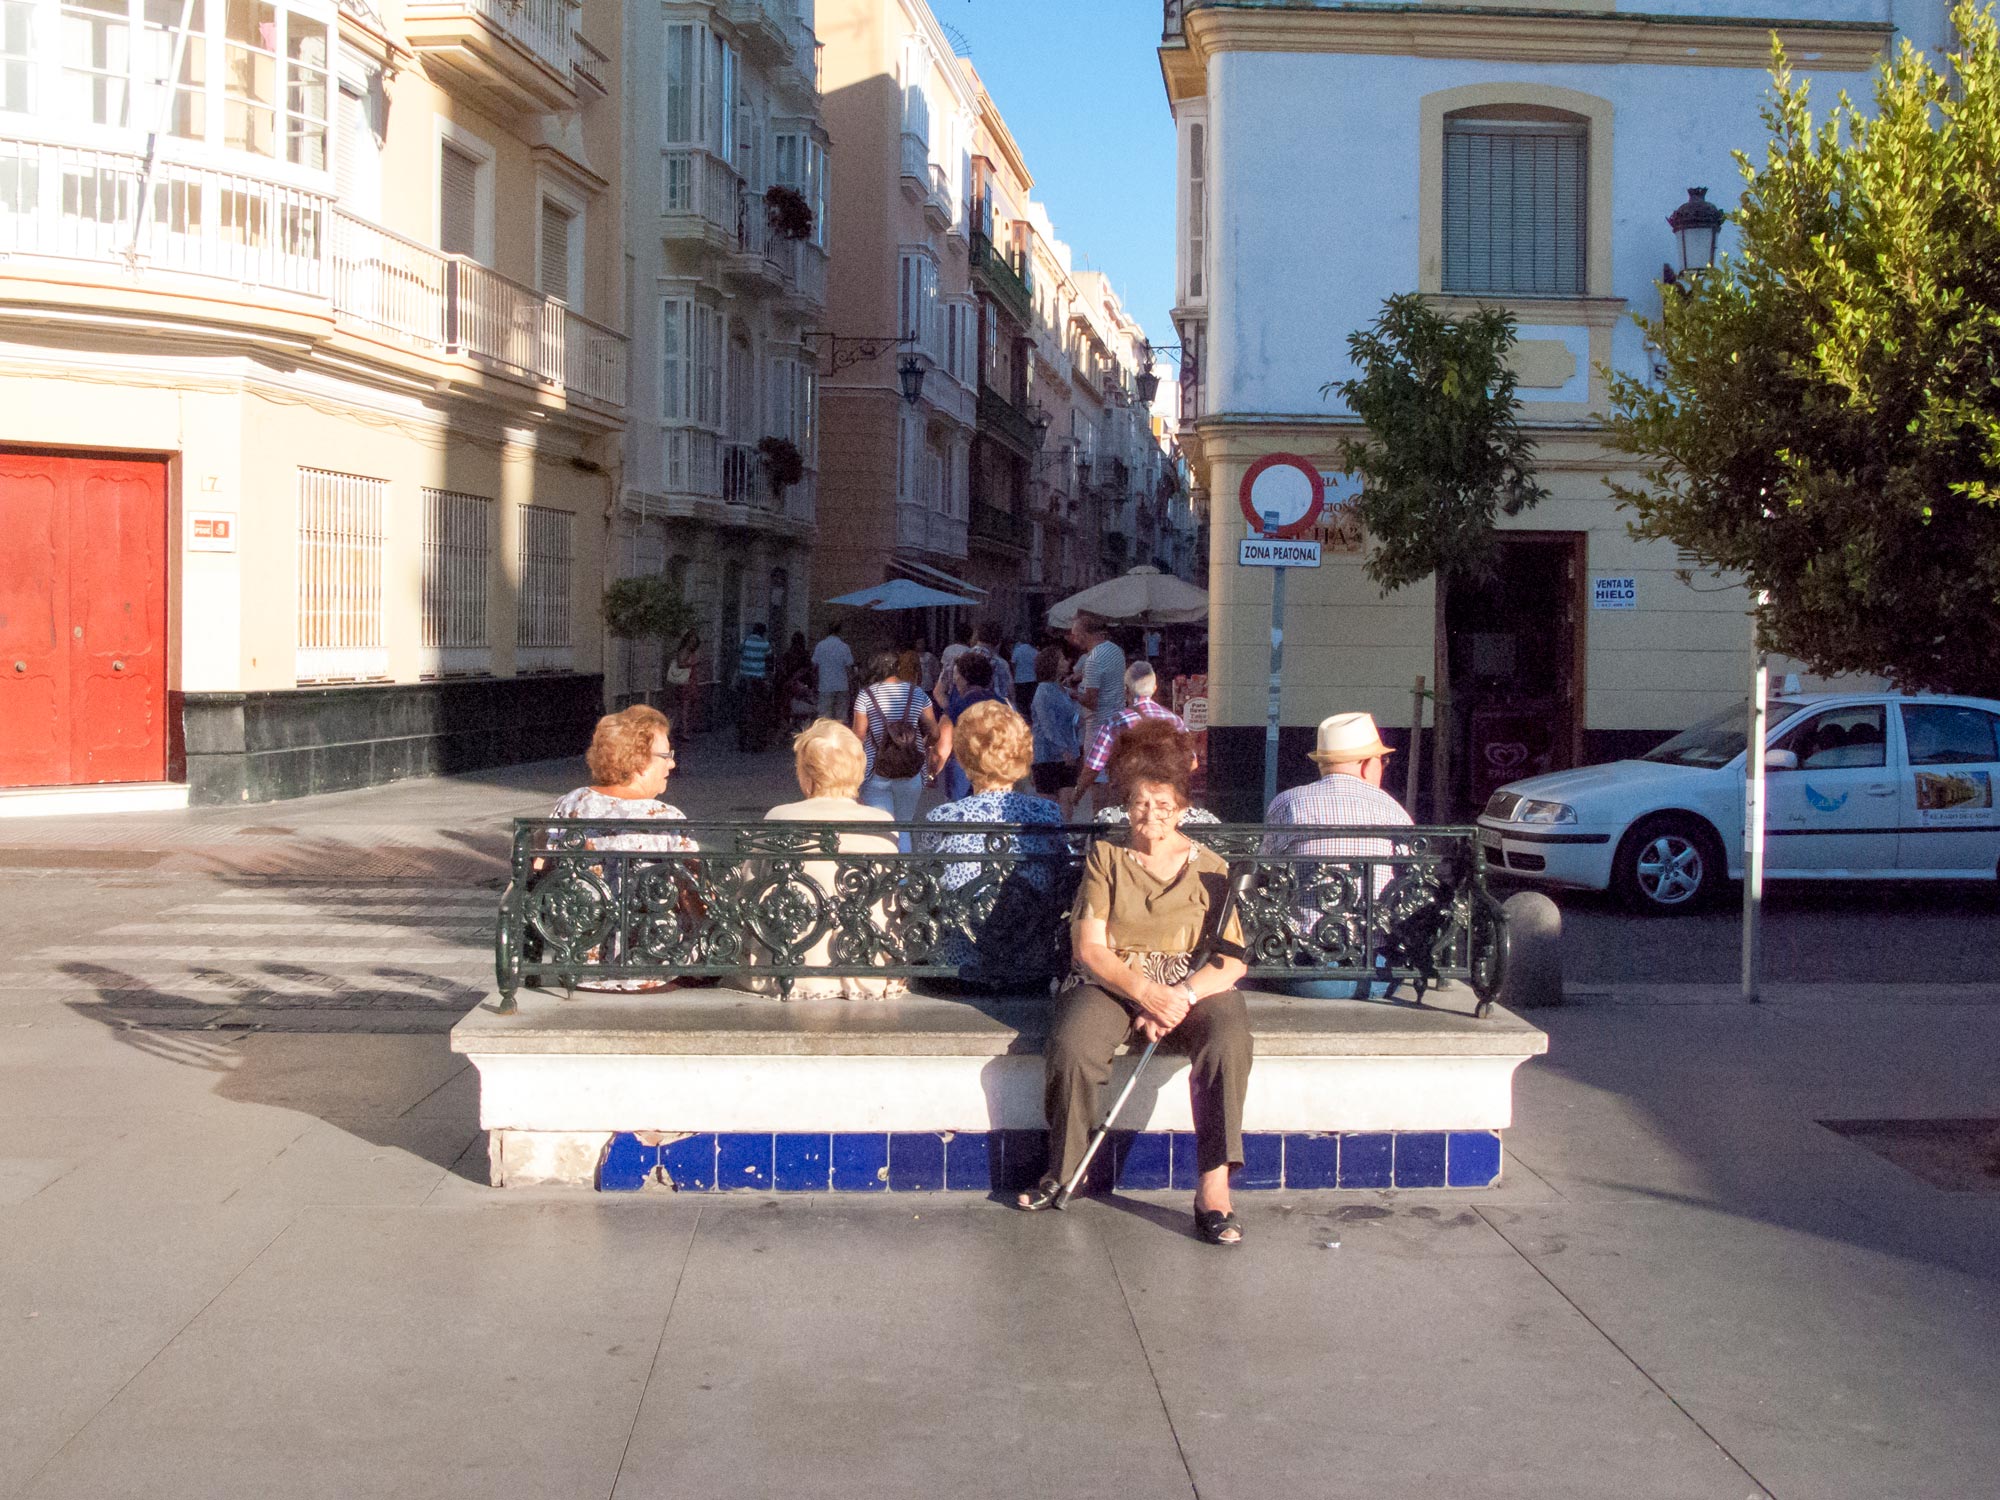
(994, 745)
(830, 762)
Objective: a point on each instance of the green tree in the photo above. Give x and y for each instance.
(643, 609)
(1441, 456)
(1826, 423)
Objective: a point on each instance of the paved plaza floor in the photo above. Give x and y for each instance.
(245, 1248)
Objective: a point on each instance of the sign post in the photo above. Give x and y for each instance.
(1753, 819)
(1281, 497)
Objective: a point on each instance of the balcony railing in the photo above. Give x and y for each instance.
(1005, 420)
(1009, 282)
(807, 272)
(937, 204)
(393, 285)
(76, 203)
(994, 524)
(453, 34)
(743, 481)
(447, 303)
(916, 163)
(695, 183)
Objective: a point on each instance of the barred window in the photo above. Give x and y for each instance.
(542, 634)
(340, 577)
(458, 558)
(1515, 199)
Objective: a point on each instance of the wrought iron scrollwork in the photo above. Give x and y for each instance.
(593, 902)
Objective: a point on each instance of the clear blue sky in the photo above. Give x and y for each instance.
(1079, 84)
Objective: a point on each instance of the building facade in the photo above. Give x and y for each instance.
(1520, 155)
(728, 233)
(311, 389)
(988, 485)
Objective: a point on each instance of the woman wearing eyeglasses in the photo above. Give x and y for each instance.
(630, 757)
(1142, 911)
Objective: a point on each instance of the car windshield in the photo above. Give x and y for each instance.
(1718, 739)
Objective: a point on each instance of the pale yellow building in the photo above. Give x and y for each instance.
(311, 389)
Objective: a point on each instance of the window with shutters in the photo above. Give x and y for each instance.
(17, 57)
(557, 261)
(357, 161)
(341, 525)
(543, 623)
(690, 362)
(799, 163)
(458, 559)
(1516, 199)
(458, 201)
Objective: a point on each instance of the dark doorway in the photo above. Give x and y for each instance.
(1516, 677)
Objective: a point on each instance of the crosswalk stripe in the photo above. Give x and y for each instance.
(473, 928)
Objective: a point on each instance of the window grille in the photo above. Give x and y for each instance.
(542, 634)
(458, 193)
(1515, 196)
(340, 577)
(458, 554)
(556, 221)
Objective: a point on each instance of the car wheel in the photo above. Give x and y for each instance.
(1667, 865)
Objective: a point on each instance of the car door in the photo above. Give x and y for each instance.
(1949, 819)
(1839, 810)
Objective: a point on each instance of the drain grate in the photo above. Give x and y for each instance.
(1960, 1156)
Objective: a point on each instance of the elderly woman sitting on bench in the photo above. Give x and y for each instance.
(1144, 908)
(829, 761)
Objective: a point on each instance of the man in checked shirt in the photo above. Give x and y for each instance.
(1350, 757)
(1140, 685)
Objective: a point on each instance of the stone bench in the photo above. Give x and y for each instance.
(719, 1089)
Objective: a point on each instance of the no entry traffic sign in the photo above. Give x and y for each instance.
(1285, 488)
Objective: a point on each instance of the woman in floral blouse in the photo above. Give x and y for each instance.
(630, 757)
(994, 746)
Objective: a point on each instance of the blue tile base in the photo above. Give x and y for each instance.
(985, 1161)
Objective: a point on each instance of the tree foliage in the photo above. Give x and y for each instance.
(1443, 452)
(1827, 423)
(639, 609)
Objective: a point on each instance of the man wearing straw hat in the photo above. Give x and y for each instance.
(1350, 756)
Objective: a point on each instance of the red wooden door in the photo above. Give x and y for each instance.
(83, 590)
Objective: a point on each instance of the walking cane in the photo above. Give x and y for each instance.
(1240, 876)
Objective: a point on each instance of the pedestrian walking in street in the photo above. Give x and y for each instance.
(753, 690)
(971, 680)
(1100, 692)
(961, 642)
(1023, 661)
(1058, 724)
(991, 642)
(684, 681)
(904, 738)
(833, 661)
(1143, 911)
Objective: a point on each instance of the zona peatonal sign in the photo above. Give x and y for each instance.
(1282, 496)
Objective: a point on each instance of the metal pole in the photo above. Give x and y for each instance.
(1277, 668)
(1415, 783)
(165, 125)
(1753, 820)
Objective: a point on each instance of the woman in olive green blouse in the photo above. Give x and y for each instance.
(1144, 908)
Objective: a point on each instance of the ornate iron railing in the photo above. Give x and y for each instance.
(596, 901)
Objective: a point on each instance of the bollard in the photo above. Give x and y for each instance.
(1534, 953)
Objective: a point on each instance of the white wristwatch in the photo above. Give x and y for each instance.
(1186, 992)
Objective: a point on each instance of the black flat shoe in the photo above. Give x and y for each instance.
(1214, 1225)
(1043, 1194)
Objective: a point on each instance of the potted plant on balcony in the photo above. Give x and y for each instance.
(787, 212)
(784, 465)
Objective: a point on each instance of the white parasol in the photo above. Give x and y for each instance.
(1144, 596)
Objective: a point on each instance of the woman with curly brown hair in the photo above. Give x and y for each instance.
(1143, 909)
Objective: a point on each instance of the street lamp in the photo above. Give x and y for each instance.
(1039, 420)
(910, 372)
(1695, 224)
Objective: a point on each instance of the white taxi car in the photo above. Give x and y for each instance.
(1880, 786)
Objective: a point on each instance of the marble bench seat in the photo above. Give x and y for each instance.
(706, 1089)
